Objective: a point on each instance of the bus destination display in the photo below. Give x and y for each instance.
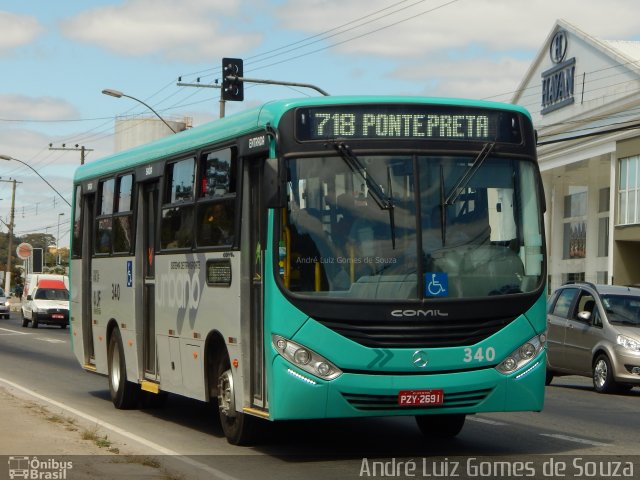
(412, 122)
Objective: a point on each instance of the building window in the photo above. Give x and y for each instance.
(603, 200)
(628, 196)
(603, 236)
(575, 204)
(602, 278)
(575, 240)
(575, 223)
(573, 277)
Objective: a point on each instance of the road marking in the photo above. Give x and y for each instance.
(583, 441)
(485, 420)
(136, 438)
(13, 332)
(51, 340)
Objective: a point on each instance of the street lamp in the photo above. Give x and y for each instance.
(58, 239)
(117, 94)
(8, 157)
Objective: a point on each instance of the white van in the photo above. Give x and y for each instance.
(45, 299)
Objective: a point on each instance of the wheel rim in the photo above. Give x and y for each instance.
(600, 373)
(115, 368)
(226, 396)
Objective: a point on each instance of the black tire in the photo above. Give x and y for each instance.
(25, 321)
(124, 394)
(548, 378)
(238, 428)
(440, 426)
(603, 380)
(64, 325)
(34, 320)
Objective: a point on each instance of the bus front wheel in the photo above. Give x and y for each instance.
(124, 394)
(237, 427)
(440, 426)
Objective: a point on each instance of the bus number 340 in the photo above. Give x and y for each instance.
(479, 355)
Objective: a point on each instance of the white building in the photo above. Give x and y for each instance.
(134, 131)
(584, 96)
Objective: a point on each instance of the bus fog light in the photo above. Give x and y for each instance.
(305, 359)
(302, 356)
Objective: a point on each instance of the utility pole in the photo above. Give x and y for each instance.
(7, 278)
(77, 148)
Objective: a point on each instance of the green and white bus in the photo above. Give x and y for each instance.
(316, 258)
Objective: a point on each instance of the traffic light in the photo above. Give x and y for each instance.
(232, 89)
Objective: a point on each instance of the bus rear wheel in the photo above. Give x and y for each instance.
(237, 427)
(440, 426)
(124, 394)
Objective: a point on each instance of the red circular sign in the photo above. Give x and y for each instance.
(24, 250)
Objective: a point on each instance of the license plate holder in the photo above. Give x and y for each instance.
(421, 398)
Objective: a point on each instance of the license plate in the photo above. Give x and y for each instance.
(57, 316)
(420, 398)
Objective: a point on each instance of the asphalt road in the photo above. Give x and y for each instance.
(576, 421)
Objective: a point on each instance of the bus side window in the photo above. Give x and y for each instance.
(216, 206)
(103, 229)
(216, 225)
(176, 225)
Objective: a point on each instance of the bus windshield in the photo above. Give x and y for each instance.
(435, 237)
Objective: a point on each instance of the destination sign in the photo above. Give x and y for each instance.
(419, 122)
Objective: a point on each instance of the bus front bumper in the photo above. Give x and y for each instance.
(299, 395)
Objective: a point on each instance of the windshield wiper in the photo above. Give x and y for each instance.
(385, 202)
(464, 180)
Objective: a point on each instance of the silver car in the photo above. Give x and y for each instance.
(594, 331)
(4, 304)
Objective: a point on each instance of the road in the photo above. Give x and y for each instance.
(576, 421)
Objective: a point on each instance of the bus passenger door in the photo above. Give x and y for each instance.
(87, 276)
(257, 240)
(149, 206)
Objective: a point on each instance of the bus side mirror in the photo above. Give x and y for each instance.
(273, 191)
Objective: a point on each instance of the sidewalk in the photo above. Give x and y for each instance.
(48, 438)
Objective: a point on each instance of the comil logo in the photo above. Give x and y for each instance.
(38, 469)
(419, 313)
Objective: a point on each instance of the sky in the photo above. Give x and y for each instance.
(57, 56)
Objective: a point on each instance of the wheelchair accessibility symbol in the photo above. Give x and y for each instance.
(436, 284)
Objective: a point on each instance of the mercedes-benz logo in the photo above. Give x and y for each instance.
(420, 359)
(558, 46)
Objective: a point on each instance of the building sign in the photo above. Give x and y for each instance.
(558, 82)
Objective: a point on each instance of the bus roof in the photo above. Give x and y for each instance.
(246, 122)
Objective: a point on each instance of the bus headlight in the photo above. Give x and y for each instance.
(305, 359)
(523, 354)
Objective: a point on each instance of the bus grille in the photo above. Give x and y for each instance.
(427, 333)
(390, 402)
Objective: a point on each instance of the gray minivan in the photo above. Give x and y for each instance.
(594, 331)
